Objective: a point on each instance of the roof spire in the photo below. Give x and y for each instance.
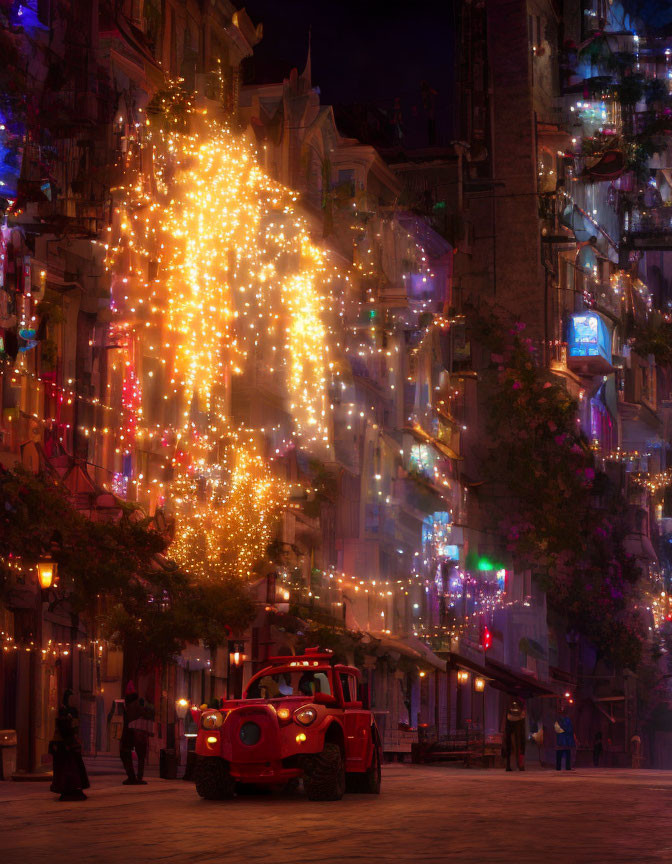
(306, 75)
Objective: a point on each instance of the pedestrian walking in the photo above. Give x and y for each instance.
(597, 749)
(564, 736)
(143, 730)
(133, 711)
(514, 734)
(70, 777)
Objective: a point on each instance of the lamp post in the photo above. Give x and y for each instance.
(479, 686)
(462, 679)
(45, 572)
(181, 707)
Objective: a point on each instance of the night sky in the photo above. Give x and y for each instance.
(363, 51)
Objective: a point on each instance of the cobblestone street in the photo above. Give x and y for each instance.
(425, 814)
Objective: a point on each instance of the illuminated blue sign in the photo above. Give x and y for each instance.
(589, 336)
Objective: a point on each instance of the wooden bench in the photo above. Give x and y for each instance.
(471, 751)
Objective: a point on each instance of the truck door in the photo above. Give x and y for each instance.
(357, 726)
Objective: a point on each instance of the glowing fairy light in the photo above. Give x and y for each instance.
(235, 275)
(225, 514)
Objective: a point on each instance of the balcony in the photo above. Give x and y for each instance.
(418, 495)
(649, 228)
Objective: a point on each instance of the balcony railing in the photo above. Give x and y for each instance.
(650, 220)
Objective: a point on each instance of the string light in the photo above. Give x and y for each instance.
(242, 281)
(225, 514)
(652, 482)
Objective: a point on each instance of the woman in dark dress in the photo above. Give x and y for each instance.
(70, 777)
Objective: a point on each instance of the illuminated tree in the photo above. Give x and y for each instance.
(225, 515)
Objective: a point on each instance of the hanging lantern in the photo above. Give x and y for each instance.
(46, 572)
(479, 684)
(237, 655)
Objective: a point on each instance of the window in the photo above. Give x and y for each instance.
(289, 683)
(346, 181)
(349, 691)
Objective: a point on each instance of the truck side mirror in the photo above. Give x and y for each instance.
(363, 695)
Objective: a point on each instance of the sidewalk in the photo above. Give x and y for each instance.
(106, 764)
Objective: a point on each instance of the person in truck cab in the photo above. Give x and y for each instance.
(314, 682)
(269, 688)
(307, 684)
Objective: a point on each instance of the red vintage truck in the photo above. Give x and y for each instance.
(302, 717)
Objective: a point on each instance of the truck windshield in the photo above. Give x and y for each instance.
(295, 683)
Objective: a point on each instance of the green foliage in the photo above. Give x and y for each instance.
(156, 624)
(48, 354)
(324, 484)
(653, 337)
(597, 50)
(599, 143)
(170, 110)
(114, 567)
(51, 309)
(342, 642)
(631, 90)
(655, 91)
(555, 515)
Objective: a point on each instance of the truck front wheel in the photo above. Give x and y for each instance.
(213, 780)
(324, 775)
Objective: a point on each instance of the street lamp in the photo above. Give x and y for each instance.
(235, 678)
(181, 708)
(479, 686)
(46, 573)
(237, 654)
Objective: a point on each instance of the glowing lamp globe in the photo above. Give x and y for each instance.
(479, 684)
(181, 708)
(46, 570)
(236, 655)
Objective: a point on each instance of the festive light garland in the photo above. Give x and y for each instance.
(225, 514)
(242, 280)
(652, 482)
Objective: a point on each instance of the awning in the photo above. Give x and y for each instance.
(419, 433)
(428, 655)
(550, 135)
(639, 546)
(501, 676)
(409, 647)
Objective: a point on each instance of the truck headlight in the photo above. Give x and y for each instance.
(305, 715)
(212, 720)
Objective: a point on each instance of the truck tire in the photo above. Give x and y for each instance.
(371, 777)
(324, 775)
(213, 781)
